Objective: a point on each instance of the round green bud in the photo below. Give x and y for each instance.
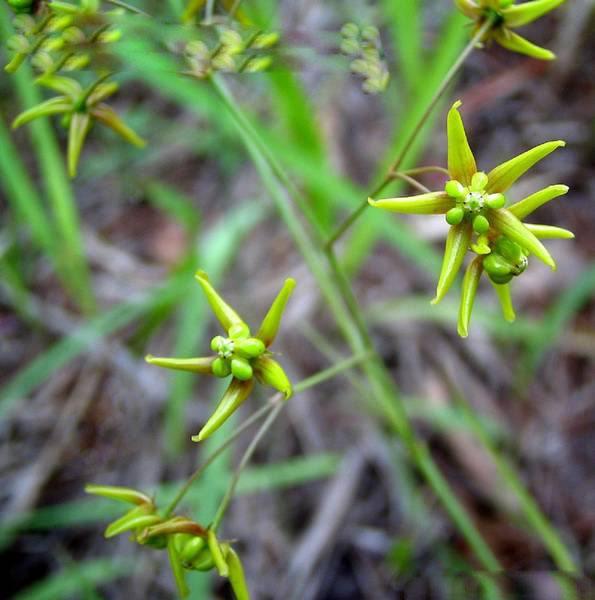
(265, 40)
(221, 367)
(22, 6)
(496, 201)
(197, 49)
(496, 267)
(217, 342)
(192, 549)
(509, 250)
(350, 47)
(73, 35)
(203, 562)
(249, 347)
(180, 540)
(241, 369)
(42, 61)
(370, 33)
(238, 331)
(480, 224)
(18, 43)
(479, 181)
(359, 66)
(455, 189)
(455, 215)
(258, 63)
(350, 30)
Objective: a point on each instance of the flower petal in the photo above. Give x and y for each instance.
(512, 41)
(203, 365)
(233, 397)
(64, 85)
(236, 574)
(269, 372)
(226, 315)
(217, 554)
(507, 224)
(80, 123)
(549, 232)
(177, 568)
(521, 14)
(469, 290)
(457, 243)
(114, 492)
(469, 8)
(134, 519)
(433, 203)
(53, 106)
(505, 298)
(504, 175)
(461, 162)
(270, 324)
(108, 116)
(526, 206)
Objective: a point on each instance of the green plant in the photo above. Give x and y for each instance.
(74, 47)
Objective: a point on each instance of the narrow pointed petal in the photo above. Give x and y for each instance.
(457, 244)
(177, 525)
(130, 523)
(512, 41)
(108, 117)
(236, 575)
(80, 124)
(461, 162)
(202, 365)
(549, 232)
(114, 492)
(521, 14)
(269, 372)
(64, 85)
(525, 207)
(504, 175)
(270, 324)
(469, 8)
(101, 92)
(53, 106)
(507, 224)
(505, 298)
(225, 314)
(177, 569)
(217, 554)
(469, 291)
(233, 397)
(434, 203)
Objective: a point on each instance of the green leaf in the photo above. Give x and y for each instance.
(526, 206)
(469, 291)
(507, 224)
(457, 243)
(461, 162)
(270, 324)
(512, 41)
(433, 203)
(521, 14)
(504, 175)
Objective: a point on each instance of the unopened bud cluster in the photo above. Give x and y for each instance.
(364, 46)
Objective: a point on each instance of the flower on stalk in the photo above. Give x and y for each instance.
(239, 354)
(80, 107)
(190, 546)
(506, 15)
(474, 205)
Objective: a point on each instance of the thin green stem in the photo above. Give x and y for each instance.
(412, 182)
(354, 216)
(128, 7)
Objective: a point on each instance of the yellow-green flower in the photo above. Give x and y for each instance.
(474, 205)
(80, 107)
(239, 353)
(506, 15)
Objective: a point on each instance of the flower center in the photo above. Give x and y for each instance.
(224, 346)
(474, 201)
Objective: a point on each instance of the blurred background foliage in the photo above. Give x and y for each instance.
(97, 271)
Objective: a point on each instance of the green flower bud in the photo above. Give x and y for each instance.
(455, 215)
(480, 224)
(249, 347)
(191, 549)
(478, 181)
(239, 331)
(455, 189)
(496, 201)
(18, 43)
(221, 367)
(350, 47)
(498, 269)
(265, 40)
(241, 369)
(350, 30)
(258, 64)
(370, 33)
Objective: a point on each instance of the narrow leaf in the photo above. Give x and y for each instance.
(512, 41)
(433, 203)
(270, 324)
(504, 175)
(521, 14)
(505, 222)
(226, 315)
(470, 284)
(461, 162)
(457, 243)
(526, 206)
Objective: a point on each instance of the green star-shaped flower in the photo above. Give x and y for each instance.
(474, 204)
(506, 15)
(239, 354)
(81, 108)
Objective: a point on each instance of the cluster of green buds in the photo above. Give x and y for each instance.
(506, 15)
(475, 205)
(365, 48)
(230, 10)
(190, 546)
(232, 51)
(245, 357)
